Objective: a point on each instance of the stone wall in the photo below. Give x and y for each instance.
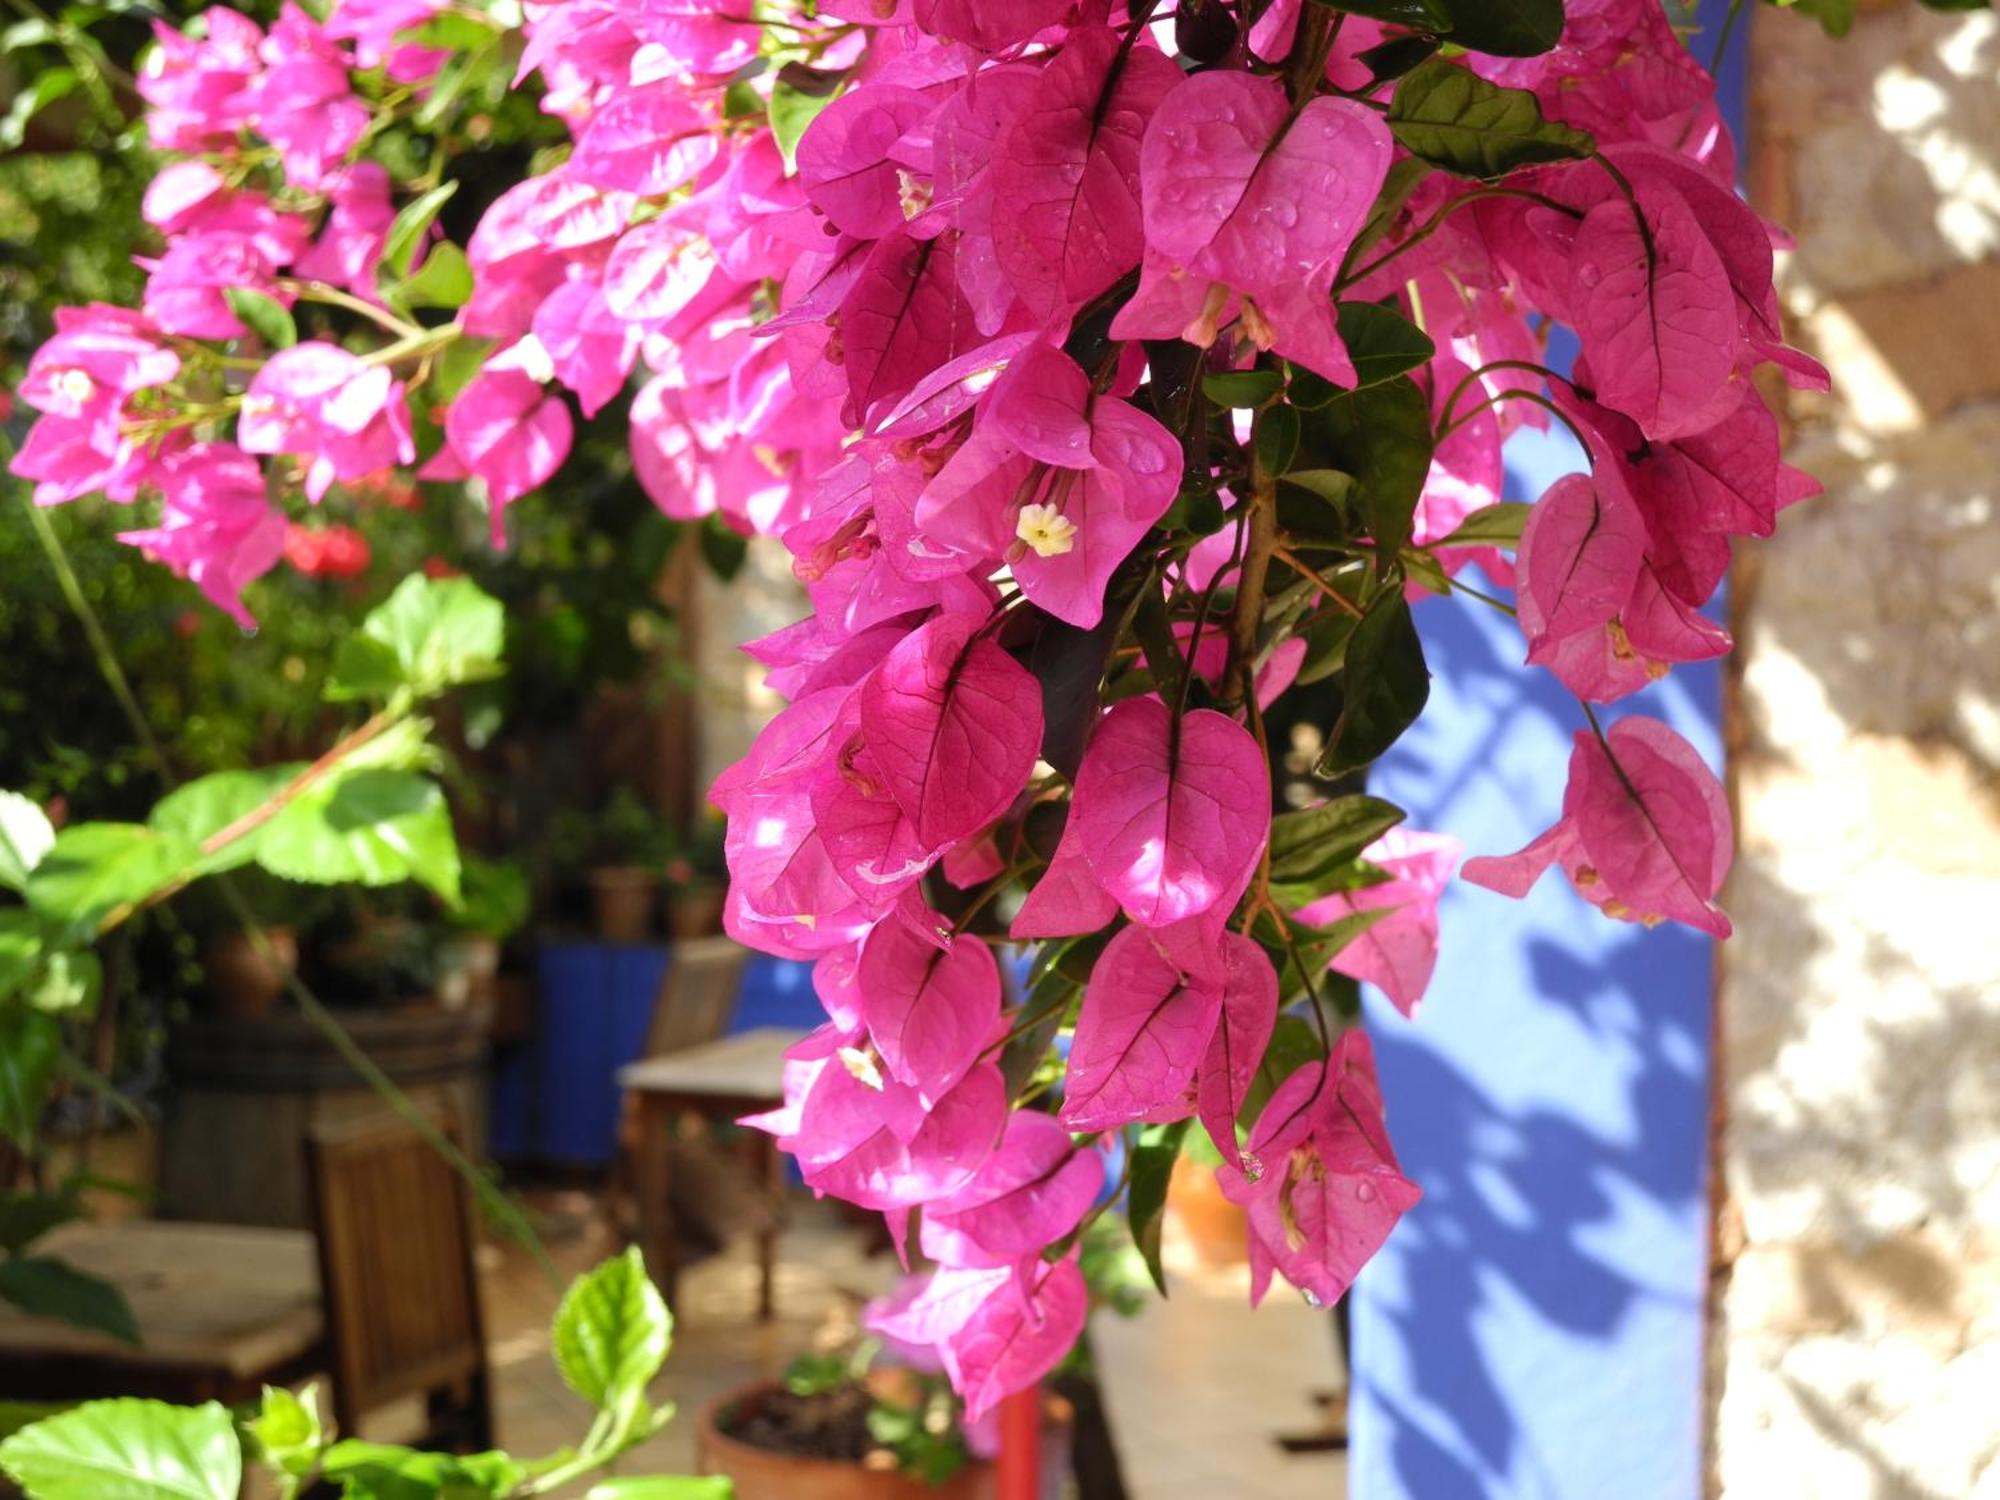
(1858, 1353)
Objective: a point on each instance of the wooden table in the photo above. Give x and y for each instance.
(719, 1081)
(222, 1309)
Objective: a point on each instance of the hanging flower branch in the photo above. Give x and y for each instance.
(1109, 375)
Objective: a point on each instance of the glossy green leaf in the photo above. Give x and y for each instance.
(1384, 685)
(1382, 343)
(443, 280)
(1506, 28)
(263, 314)
(365, 827)
(453, 31)
(408, 228)
(45, 1287)
(1418, 15)
(68, 983)
(1242, 389)
(612, 1332)
(1146, 1205)
(1454, 119)
(1490, 526)
(1382, 436)
(385, 1471)
(93, 869)
(1390, 60)
(1309, 844)
(723, 548)
(796, 101)
(1276, 440)
(128, 1449)
(205, 807)
(25, 836)
(30, 1052)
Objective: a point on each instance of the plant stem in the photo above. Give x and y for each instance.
(1260, 541)
(1334, 596)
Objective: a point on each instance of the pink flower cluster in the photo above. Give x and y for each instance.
(121, 391)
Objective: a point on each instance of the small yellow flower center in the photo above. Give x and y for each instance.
(1046, 529)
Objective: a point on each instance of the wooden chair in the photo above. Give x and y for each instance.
(396, 1237)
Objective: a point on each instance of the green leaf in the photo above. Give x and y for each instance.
(94, 868)
(20, 948)
(44, 1287)
(287, 1429)
(795, 103)
(452, 31)
(1506, 28)
(1242, 389)
(612, 1333)
(1309, 845)
(25, 836)
(1384, 686)
(723, 548)
(70, 981)
(1162, 651)
(50, 84)
(1330, 485)
(26, 1217)
(203, 808)
(1490, 526)
(1276, 440)
(263, 315)
(1146, 1204)
(444, 279)
(1418, 15)
(1453, 118)
(1294, 1043)
(365, 827)
(128, 1450)
(668, 1487)
(30, 1051)
(1382, 436)
(1382, 343)
(384, 1471)
(1390, 60)
(442, 633)
(407, 229)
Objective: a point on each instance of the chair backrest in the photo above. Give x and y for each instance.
(395, 1230)
(697, 994)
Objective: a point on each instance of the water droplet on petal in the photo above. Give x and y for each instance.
(1364, 1192)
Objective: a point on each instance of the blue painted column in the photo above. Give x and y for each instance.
(1534, 1330)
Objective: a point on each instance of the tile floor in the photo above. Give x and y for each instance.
(1198, 1385)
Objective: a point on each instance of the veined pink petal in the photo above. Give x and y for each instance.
(1579, 557)
(1243, 1027)
(931, 1011)
(1145, 1024)
(1171, 819)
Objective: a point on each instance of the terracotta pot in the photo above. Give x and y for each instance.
(243, 981)
(1217, 1230)
(621, 896)
(759, 1474)
(695, 910)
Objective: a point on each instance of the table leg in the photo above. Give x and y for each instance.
(650, 1170)
(767, 1237)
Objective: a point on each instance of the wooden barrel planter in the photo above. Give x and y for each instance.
(245, 1092)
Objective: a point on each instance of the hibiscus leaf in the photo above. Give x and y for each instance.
(1384, 685)
(45, 1287)
(263, 314)
(25, 836)
(366, 827)
(1146, 1203)
(1454, 119)
(1506, 28)
(30, 1052)
(201, 809)
(94, 869)
(133, 1449)
(612, 1332)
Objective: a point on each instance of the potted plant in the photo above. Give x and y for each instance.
(493, 904)
(863, 1419)
(622, 851)
(697, 883)
(244, 971)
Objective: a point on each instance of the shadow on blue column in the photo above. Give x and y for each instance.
(1534, 1327)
